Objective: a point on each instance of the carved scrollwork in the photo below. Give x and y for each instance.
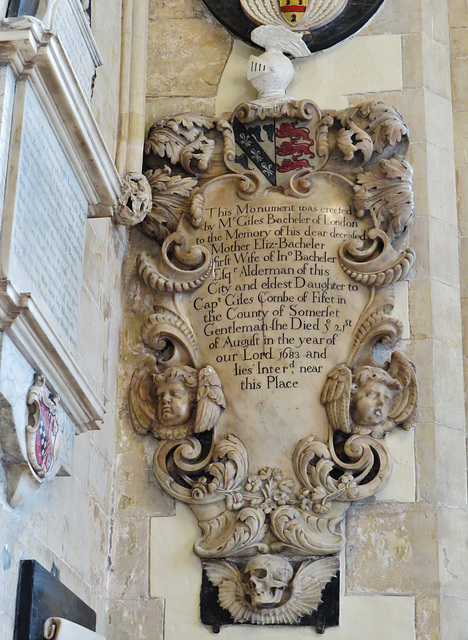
(306, 534)
(376, 325)
(375, 263)
(178, 268)
(232, 534)
(170, 201)
(170, 337)
(302, 109)
(387, 194)
(346, 470)
(323, 143)
(351, 139)
(182, 139)
(379, 122)
(134, 201)
(248, 186)
(270, 166)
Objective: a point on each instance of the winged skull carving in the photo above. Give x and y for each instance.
(175, 402)
(266, 591)
(371, 400)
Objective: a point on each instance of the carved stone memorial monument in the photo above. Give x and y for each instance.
(272, 374)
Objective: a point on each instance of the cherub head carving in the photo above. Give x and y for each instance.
(175, 402)
(371, 400)
(176, 393)
(372, 393)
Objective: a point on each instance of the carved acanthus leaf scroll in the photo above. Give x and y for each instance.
(135, 200)
(177, 268)
(198, 146)
(182, 139)
(170, 198)
(387, 194)
(380, 122)
(250, 516)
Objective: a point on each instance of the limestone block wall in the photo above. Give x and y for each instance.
(406, 552)
(67, 524)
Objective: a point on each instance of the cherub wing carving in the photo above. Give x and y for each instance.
(210, 399)
(143, 401)
(307, 587)
(404, 404)
(336, 396)
(226, 576)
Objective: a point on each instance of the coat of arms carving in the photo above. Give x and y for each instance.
(43, 432)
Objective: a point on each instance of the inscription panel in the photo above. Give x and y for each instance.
(48, 235)
(279, 312)
(77, 52)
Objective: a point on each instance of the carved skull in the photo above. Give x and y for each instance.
(265, 580)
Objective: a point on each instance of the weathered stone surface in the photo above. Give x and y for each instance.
(446, 314)
(453, 556)
(454, 617)
(166, 9)
(157, 108)
(99, 549)
(448, 379)
(427, 618)
(106, 21)
(137, 490)
(413, 67)
(459, 86)
(185, 58)
(395, 17)
(440, 184)
(460, 126)
(135, 619)
(443, 252)
(458, 15)
(462, 193)
(437, 73)
(390, 549)
(450, 442)
(434, 21)
(420, 319)
(425, 452)
(128, 578)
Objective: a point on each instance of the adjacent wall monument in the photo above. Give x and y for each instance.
(271, 375)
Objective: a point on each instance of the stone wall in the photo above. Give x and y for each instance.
(67, 524)
(406, 557)
(406, 553)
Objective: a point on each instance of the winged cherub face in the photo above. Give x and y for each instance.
(174, 403)
(371, 403)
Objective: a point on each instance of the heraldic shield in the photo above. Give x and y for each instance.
(43, 432)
